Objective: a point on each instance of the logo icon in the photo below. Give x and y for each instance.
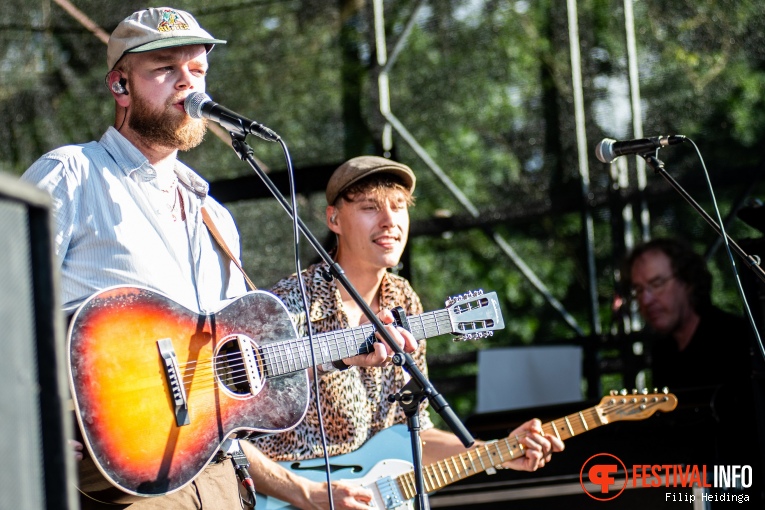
(171, 20)
(601, 473)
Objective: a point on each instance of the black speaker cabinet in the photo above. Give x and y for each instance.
(37, 468)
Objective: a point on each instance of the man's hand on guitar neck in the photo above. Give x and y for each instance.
(382, 352)
(538, 447)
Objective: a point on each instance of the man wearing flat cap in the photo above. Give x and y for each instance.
(368, 200)
(127, 212)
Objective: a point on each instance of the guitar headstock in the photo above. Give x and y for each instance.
(474, 315)
(638, 405)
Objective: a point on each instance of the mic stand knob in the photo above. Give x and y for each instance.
(410, 397)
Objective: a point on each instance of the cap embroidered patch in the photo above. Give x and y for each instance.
(171, 20)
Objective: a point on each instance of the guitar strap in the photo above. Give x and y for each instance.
(219, 239)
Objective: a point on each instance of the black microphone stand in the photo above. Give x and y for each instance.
(658, 167)
(752, 262)
(425, 388)
(409, 398)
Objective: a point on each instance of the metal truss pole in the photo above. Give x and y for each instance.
(393, 123)
(584, 169)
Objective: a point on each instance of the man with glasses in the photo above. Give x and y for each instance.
(697, 344)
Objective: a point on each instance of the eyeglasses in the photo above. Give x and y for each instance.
(655, 286)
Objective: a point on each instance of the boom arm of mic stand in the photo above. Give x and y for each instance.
(658, 167)
(245, 152)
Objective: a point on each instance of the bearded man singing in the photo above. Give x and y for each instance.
(127, 212)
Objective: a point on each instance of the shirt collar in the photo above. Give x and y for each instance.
(387, 295)
(129, 159)
(323, 308)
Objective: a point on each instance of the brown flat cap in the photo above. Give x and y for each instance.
(356, 169)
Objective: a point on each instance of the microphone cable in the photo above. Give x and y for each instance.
(732, 260)
(307, 309)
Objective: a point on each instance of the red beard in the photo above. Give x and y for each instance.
(167, 127)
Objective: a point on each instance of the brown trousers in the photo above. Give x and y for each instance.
(216, 488)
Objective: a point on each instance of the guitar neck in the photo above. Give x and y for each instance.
(488, 455)
(282, 358)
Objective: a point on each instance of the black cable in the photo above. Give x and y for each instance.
(306, 307)
(724, 236)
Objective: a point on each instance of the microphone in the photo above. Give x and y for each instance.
(608, 150)
(198, 105)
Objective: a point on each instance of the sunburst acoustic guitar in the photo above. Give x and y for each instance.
(157, 388)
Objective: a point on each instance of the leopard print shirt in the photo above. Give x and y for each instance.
(354, 401)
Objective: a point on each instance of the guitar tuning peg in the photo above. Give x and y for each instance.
(613, 393)
(644, 391)
(623, 392)
(665, 390)
(634, 391)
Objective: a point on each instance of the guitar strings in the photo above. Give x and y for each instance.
(283, 353)
(283, 359)
(292, 355)
(505, 450)
(440, 473)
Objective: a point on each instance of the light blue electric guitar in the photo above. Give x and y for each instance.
(384, 463)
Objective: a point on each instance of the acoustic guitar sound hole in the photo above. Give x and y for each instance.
(230, 367)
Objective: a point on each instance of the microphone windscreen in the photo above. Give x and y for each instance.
(193, 104)
(604, 150)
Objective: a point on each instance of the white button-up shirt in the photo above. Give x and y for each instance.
(110, 230)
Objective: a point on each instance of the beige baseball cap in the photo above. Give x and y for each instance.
(357, 168)
(154, 29)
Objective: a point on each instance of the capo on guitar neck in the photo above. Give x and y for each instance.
(399, 314)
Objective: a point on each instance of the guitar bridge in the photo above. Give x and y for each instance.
(172, 373)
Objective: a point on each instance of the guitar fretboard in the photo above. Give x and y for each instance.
(294, 355)
(488, 455)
